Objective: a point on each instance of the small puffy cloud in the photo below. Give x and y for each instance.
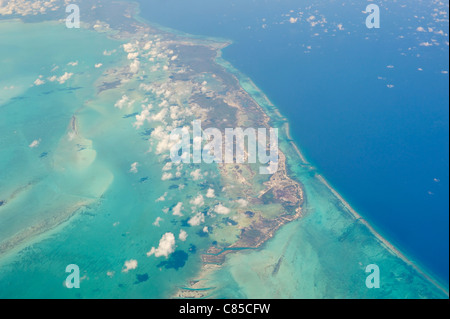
(183, 235)
(210, 193)
(222, 210)
(198, 219)
(242, 202)
(196, 175)
(160, 116)
(205, 229)
(157, 221)
(130, 265)
(166, 246)
(133, 168)
(98, 65)
(124, 101)
(177, 209)
(293, 20)
(133, 55)
(141, 118)
(162, 198)
(108, 53)
(198, 201)
(35, 143)
(73, 63)
(63, 78)
(167, 166)
(166, 176)
(134, 66)
(129, 47)
(39, 81)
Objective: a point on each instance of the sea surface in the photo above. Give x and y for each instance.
(59, 136)
(368, 107)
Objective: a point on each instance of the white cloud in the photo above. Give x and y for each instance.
(198, 219)
(134, 66)
(222, 210)
(35, 143)
(129, 47)
(124, 101)
(132, 55)
(140, 118)
(157, 221)
(198, 201)
(73, 63)
(242, 202)
(39, 81)
(160, 116)
(166, 176)
(177, 209)
(167, 166)
(133, 168)
(165, 248)
(63, 78)
(130, 265)
(196, 175)
(183, 235)
(210, 193)
(106, 52)
(98, 65)
(162, 198)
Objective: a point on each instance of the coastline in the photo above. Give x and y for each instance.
(219, 46)
(385, 242)
(239, 76)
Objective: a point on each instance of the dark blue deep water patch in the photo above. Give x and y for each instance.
(176, 261)
(141, 278)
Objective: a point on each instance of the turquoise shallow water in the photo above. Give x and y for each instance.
(88, 177)
(85, 176)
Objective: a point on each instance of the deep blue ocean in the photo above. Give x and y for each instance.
(368, 107)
